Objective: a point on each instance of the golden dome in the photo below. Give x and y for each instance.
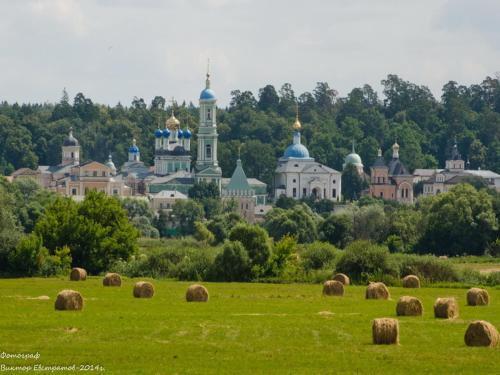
(172, 122)
(297, 125)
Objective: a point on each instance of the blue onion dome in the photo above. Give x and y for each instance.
(207, 93)
(166, 133)
(133, 149)
(180, 133)
(187, 134)
(297, 151)
(158, 133)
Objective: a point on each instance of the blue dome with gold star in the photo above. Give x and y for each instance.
(297, 151)
(207, 94)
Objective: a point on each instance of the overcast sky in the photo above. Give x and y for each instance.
(113, 50)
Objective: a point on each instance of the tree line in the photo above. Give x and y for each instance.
(425, 127)
(42, 233)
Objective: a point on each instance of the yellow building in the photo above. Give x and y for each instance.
(73, 179)
(92, 176)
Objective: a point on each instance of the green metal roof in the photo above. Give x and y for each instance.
(238, 179)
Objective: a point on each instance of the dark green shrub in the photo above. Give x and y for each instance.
(283, 251)
(471, 277)
(202, 234)
(221, 225)
(97, 231)
(56, 264)
(136, 266)
(299, 221)
(337, 229)
(194, 266)
(318, 255)
(30, 258)
(427, 267)
(385, 278)
(23, 260)
(180, 260)
(255, 241)
(394, 244)
(494, 248)
(362, 260)
(493, 279)
(233, 264)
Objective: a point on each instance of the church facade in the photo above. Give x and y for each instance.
(391, 181)
(74, 179)
(172, 148)
(172, 162)
(171, 175)
(456, 172)
(298, 175)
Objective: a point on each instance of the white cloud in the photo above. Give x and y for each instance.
(113, 50)
(65, 12)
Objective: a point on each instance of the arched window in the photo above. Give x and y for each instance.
(209, 114)
(208, 151)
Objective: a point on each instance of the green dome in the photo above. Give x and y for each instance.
(354, 159)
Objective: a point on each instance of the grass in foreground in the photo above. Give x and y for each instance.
(244, 328)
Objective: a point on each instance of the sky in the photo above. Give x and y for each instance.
(115, 50)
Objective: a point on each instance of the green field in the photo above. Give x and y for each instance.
(244, 328)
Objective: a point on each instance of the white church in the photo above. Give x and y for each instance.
(299, 176)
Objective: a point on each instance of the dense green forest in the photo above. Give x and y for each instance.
(44, 234)
(425, 127)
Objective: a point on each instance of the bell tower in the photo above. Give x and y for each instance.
(207, 166)
(70, 150)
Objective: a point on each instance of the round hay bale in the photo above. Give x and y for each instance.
(69, 300)
(112, 279)
(446, 308)
(377, 291)
(197, 293)
(411, 281)
(385, 331)
(143, 289)
(481, 333)
(78, 274)
(477, 297)
(409, 306)
(333, 288)
(343, 278)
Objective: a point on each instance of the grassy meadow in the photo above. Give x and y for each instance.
(244, 328)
